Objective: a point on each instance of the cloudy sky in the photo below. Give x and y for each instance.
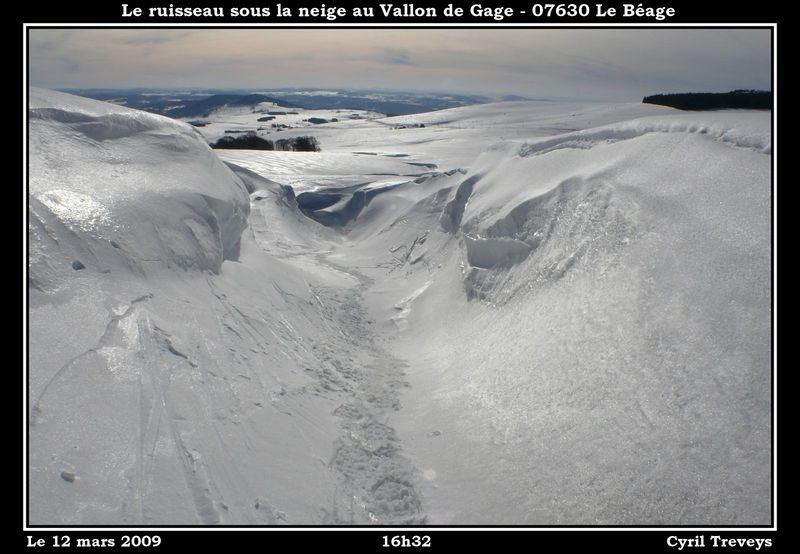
(603, 64)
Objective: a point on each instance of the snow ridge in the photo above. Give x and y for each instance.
(759, 141)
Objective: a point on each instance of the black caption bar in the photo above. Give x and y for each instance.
(316, 13)
(388, 540)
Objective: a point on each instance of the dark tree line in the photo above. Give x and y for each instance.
(254, 142)
(736, 99)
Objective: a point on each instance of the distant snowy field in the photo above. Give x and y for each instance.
(524, 313)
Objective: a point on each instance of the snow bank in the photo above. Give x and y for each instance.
(589, 184)
(584, 308)
(169, 386)
(130, 187)
(745, 129)
(595, 348)
(153, 370)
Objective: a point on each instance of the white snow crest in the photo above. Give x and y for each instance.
(747, 130)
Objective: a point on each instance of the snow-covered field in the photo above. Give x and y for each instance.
(245, 119)
(520, 313)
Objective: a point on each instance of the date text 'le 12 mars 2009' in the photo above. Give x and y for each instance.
(67, 542)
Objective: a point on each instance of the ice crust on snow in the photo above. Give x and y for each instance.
(522, 313)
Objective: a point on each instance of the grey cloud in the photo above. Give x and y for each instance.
(603, 64)
(397, 57)
(151, 38)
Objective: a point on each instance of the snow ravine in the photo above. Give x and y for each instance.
(518, 313)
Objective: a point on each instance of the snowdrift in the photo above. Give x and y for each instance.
(132, 188)
(595, 345)
(165, 386)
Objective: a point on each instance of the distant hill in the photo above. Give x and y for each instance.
(179, 103)
(203, 107)
(513, 98)
(696, 101)
(387, 102)
(198, 103)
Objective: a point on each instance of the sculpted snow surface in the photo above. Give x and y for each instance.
(520, 313)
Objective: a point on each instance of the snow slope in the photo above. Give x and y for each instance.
(165, 386)
(613, 366)
(520, 313)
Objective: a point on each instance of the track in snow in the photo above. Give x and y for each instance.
(376, 482)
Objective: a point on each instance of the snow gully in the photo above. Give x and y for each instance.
(406, 10)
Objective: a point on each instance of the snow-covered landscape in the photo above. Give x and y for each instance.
(514, 313)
